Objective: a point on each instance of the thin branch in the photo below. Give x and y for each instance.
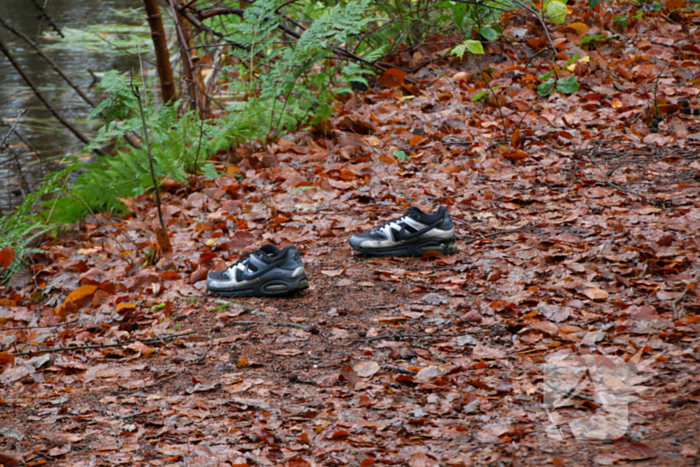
(101, 346)
(39, 327)
(137, 94)
(434, 354)
(65, 77)
(113, 237)
(676, 312)
(43, 100)
(311, 329)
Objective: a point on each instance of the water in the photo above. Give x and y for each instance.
(87, 25)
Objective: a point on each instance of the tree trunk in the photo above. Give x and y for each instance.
(190, 60)
(165, 72)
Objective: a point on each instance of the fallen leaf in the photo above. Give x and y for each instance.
(366, 369)
(596, 294)
(7, 256)
(392, 77)
(636, 452)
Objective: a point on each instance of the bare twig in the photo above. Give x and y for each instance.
(43, 100)
(113, 237)
(12, 128)
(398, 369)
(434, 354)
(101, 346)
(676, 312)
(39, 327)
(498, 234)
(311, 329)
(204, 354)
(607, 180)
(43, 14)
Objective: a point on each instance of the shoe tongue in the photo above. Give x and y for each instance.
(268, 252)
(414, 212)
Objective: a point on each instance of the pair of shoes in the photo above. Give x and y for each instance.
(270, 272)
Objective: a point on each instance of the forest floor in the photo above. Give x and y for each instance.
(577, 236)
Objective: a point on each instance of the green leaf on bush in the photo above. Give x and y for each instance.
(568, 85)
(556, 11)
(545, 76)
(474, 47)
(400, 155)
(484, 92)
(488, 33)
(594, 3)
(545, 89)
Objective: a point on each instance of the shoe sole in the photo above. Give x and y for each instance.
(444, 247)
(273, 288)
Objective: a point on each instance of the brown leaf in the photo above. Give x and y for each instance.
(636, 452)
(164, 240)
(349, 374)
(366, 369)
(9, 461)
(7, 256)
(596, 294)
(392, 77)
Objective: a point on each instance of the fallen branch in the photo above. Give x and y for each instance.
(311, 329)
(65, 77)
(204, 354)
(607, 180)
(38, 327)
(676, 312)
(414, 336)
(398, 369)
(568, 393)
(160, 340)
(43, 100)
(434, 354)
(498, 234)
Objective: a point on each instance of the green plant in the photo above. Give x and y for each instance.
(177, 150)
(285, 85)
(20, 229)
(568, 85)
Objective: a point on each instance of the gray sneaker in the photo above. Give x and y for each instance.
(266, 272)
(413, 234)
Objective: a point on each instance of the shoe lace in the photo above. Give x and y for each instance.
(384, 224)
(242, 259)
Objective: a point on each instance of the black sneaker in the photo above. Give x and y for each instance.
(266, 272)
(412, 234)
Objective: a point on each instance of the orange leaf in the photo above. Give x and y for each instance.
(125, 306)
(7, 256)
(667, 108)
(6, 359)
(81, 295)
(6, 302)
(578, 28)
(416, 139)
(559, 462)
(515, 138)
(392, 77)
(515, 156)
(164, 240)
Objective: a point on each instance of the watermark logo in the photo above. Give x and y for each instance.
(604, 385)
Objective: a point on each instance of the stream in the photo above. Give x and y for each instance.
(99, 37)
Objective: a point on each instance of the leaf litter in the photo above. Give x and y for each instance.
(578, 233)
